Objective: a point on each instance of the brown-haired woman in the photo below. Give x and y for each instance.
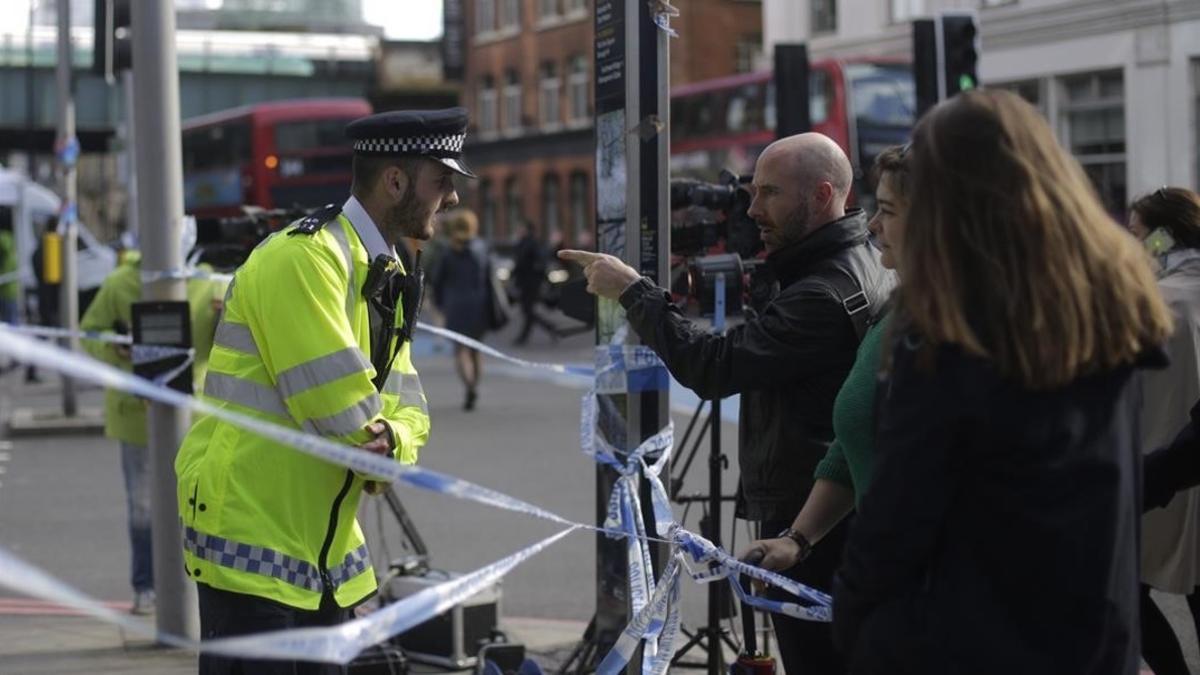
(460, 290)
(1168, 222)
(999, 533)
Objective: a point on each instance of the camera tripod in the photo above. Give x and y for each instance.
(720, 600)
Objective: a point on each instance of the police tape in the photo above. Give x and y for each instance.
(334, 644)
(720, 563)
(140, 354)
(495, 353)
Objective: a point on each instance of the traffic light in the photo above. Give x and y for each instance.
(945, 57)
(112, 50)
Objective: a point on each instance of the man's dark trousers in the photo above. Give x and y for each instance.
(806, 647)
(225, 614)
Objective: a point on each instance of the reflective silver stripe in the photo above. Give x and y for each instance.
(347, 421)
(321, 370)
(255, 559)
(339, 235)
(252, 395)
(355, 563)
(235, 336)
(408, 387)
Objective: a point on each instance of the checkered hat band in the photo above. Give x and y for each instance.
(446, 145)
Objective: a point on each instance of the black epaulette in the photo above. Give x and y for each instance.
(313, 222)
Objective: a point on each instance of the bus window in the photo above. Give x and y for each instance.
(222, 146)
(820, 97)
(747, 109)
(310, 135)
(883, 95)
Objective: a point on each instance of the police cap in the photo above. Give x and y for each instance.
(436, 134)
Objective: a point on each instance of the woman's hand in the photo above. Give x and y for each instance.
(773, 554)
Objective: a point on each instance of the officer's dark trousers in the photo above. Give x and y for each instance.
(225, 614)
(806, 647)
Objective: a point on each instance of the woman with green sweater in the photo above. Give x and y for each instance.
(842, 477)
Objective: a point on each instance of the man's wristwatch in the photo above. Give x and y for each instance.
(802, 541)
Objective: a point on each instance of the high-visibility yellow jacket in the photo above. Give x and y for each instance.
(260, 518)
(125, 414)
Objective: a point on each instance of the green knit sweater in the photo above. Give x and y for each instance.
(848, 460)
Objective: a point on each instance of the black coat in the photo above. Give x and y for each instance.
(1000, 530)
(788, 363)
(1175, 467)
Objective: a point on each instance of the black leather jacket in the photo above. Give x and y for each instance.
(788, 363)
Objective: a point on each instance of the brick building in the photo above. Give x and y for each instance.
(528, 86)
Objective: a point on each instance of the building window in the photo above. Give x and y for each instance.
(487, 106)
(907, 10)
(1030, 90)
(512, 102)
(823, 16)
(547, 9)
(487, 209)
(485, 16)
(510, 14)
(578, 87)
(1092, 122)
(514, 215)
(1196, 116)
(575, 7)
(746, 52)
(549, 94)
(551, 207)
(580, 217)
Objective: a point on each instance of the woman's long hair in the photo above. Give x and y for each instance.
(1009, 254)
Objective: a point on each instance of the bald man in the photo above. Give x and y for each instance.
(788, 361)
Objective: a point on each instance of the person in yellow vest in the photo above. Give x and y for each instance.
(125, 414)
(315, 336)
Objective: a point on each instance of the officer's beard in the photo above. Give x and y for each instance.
(411, 218)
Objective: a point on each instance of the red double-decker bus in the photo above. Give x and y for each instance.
(281, 154)
(863, 104)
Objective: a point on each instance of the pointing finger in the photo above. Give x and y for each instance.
(584, 258)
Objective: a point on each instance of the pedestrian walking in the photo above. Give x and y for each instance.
(1167, 221)
(999, 533)
(125, 414)
(529, 276)
(461, 287)
(315, 335)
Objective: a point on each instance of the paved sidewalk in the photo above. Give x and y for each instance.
(45, 639)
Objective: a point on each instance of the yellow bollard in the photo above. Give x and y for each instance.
(52, 258)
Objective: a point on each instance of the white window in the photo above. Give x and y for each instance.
(512, 103)
(907, 10)
(578, 86)
(551, 205)
(487, 209)
(488, 124)
(547, 9)
(575, 7)
(1092, 124)
(580, 217)
(549, 94)
(746, 52)
(485, 16)
(513, 213)
(510, 14)
(823, 16)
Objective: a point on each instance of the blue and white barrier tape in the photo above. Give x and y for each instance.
(333, 644)
(9, 277)
(655, 624)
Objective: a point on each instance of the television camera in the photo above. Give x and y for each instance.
(713, 233)
(227, 242)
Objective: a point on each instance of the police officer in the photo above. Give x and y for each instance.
(315, 336)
